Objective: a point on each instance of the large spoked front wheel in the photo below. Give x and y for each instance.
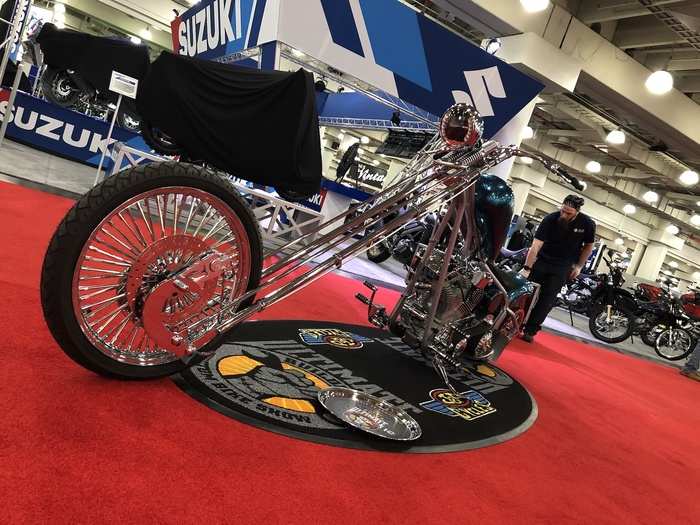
(610, 323)
(674, 344)
(141, 258)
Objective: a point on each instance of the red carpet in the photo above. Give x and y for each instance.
(617, 439)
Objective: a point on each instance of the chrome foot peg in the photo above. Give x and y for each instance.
(376, 313)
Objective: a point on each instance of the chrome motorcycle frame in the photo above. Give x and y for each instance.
(439, 176)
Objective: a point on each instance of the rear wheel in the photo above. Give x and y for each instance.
(58, 88)
(123, 239)
(674, 344)
(378, 252)
(159, 141)
(611, 326)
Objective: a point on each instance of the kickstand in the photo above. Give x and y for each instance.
(571, 316)
(439, 366)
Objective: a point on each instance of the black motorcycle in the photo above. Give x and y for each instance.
(612, 311)
(576, 295)
(78, 67)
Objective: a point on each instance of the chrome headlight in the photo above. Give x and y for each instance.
(461, 126)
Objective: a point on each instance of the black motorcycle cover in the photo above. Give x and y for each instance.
(93, 57)
(261, 126)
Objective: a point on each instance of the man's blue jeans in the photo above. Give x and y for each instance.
(693, 363)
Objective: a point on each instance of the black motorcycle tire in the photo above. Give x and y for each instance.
(648, 337)
(128, 118)
(48, 81)
(159, 142)
(691, 347)
(378, 252)
(600, 308)
(75, 229)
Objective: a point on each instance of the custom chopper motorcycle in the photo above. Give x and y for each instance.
(151, 268)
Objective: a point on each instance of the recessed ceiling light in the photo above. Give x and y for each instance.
(616, 136)
(695, 220)
(619, 241)
(533, 6)
(364, 140)
(673, 264)
(659, 82)
(593, 166)
(651, 196)
(528, 133)
(688, 178)
(629, 209)
(672, 229)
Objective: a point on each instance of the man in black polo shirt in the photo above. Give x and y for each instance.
(563, 243)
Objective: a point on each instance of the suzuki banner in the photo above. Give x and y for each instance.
(382, 42)
(66, 133)
(216, 28)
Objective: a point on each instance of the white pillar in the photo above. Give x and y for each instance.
(636, 258)
(521, 190)
(650, 264)
(511, 133)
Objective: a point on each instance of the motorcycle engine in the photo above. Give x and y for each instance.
(462, 292)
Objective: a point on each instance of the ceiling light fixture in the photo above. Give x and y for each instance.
(651, 196)
(135, 40)
(526, 160)
(673, 264)
(584, 185)
(659, 82)
(695, 220)
(364, 140)
(527, 133)
(534, 6)
(593, 166)
(616, 136)
(629, 209)
(493, 45)
(696, 276)
(688, 178)
(619, 241)
(672, 229)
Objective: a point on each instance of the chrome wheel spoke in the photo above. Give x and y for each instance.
(144, 241)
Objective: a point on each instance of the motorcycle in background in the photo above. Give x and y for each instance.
(576, 295)
(680, 332)
(77, 67)
(612, 312)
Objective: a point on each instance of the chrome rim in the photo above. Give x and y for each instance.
(144, 241)
(673, 343)
(62, 87)
(615, 326)
(130, 122)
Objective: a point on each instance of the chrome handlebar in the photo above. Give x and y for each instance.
(493, 153)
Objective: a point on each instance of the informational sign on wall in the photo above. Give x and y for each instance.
(60, 131)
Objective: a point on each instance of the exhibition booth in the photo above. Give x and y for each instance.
(395, 302)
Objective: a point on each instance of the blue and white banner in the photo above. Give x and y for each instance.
(384, 43)
(16, 42)
(215, 28)
(60, 131)
(389, 45)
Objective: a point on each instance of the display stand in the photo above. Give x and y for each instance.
(280, 221)
(19, 18)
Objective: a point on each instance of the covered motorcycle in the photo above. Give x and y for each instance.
(79, 69)
(258, 125)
